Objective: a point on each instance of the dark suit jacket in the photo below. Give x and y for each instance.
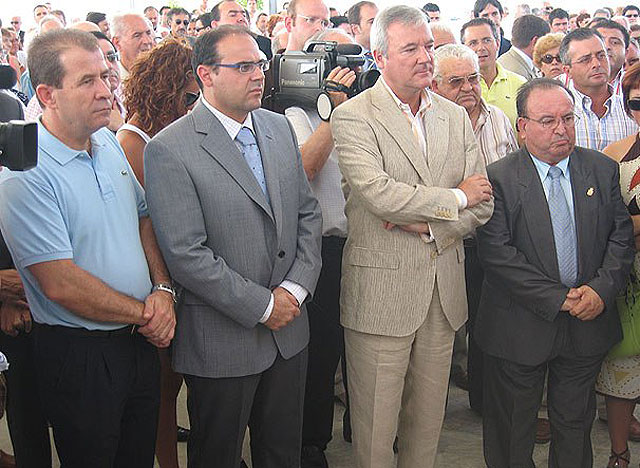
(505, 45)
(519, 313)
(264, 44)
(10, 107)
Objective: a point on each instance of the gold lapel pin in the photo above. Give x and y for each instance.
(590, 191)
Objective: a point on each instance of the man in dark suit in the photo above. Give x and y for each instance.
(556, 253)
(241, 233)
(231, 12)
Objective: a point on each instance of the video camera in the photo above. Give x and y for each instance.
(18, 145)
(299, 77)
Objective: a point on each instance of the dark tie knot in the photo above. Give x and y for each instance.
(245, 137)
(555, 172)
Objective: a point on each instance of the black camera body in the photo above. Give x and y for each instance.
(18, 145)
(298, 77)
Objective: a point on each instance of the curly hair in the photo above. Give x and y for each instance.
(544, 45)
(155, 90)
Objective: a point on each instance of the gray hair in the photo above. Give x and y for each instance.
(325, 33)
(403, 14)
(48, 18)
(453, 51)
(120, 25)
(441, 26)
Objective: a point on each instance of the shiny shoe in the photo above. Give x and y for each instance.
(619, 460)
(183, 434)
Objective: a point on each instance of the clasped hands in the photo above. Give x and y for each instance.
(583, 303)
(285, 309)
(159, 319)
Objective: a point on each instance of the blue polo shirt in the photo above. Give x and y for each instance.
(79, 207)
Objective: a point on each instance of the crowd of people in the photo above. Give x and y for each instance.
(471, 217)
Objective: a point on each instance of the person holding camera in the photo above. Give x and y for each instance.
(326, 343)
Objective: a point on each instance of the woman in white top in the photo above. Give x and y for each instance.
(160, 89)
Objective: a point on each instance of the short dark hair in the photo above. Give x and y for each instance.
(537, 83)
(162, 8)
(525, 28)
(480, 22)
(338, 20)
(96, 17)
(40, 6)
(353, 13)
(177, 11)
(45, 50)
(149, 8)
(580, 34)
(101, 36)
(482, 4)
(431, 7)
(610, 24)
(59, 13)
(205, 19)
(205, 50)
(630, 7)
(215, 11)
(558, 13)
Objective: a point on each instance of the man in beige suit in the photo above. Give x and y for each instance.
(415, 186)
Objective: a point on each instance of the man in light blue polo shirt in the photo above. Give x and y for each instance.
(78, 231)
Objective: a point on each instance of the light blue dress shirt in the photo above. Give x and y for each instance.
(565, 181)
(79, 207)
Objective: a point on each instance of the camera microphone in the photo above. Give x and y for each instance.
(348, 49)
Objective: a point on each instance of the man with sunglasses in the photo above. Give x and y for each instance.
(16, 23)
(631, 12)
(600, 109)
(178, 19)
(524, 34)
(240, 230)
(556, 253)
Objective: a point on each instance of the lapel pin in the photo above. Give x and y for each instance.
(590, 191)
(124, 172)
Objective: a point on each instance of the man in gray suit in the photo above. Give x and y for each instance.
(519, 59)
(241, 233)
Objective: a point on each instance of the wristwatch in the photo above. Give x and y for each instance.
(166, 288)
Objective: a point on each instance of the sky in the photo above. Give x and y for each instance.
(78, 9)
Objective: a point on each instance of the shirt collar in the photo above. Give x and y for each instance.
(524, 56)
(484, 114)
(501, 74)
(60, 152)
(543, 167)
(425, 100)
(231, 126)
(585, 101)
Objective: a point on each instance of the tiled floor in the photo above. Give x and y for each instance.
(460, 443)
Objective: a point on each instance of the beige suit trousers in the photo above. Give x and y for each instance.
(399, 385)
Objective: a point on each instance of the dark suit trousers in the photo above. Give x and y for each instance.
(101, 394)
(326, 346)
(512, 397)
(270, 403)
(474, 276)
(27, 423)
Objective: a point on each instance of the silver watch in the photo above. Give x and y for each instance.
(166, 288)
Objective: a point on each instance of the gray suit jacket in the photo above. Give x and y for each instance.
(519, 313)
(223, 243)
(513, 61)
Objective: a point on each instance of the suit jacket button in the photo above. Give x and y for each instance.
(281, 254)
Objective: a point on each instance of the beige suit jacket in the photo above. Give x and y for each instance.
(388, 277)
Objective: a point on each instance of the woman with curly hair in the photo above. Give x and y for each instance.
(161, 88)
(546, 55)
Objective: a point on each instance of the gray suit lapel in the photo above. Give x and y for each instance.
(585, 206)
(269, 152)
(222, 148)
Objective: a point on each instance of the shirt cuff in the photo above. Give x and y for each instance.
(461, 197)
(299, 292)
(268, 310)
(427, 238)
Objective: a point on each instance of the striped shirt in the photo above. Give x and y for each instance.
(597, 133)
(494, 133)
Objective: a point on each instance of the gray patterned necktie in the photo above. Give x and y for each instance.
(564, 231)
(251, 153)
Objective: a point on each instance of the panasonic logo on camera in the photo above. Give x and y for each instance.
(292, 83)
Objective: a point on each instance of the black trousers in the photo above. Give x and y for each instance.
(326, 347)
(101, 393)
(27, 423)
(512, 397)
(474, 276)
(270, 403)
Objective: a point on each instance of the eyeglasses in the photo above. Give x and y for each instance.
(112, 57)
(179, 22)
(459, 81)
(190, 98)
(245, 67)
(587, 59)
(548, 59)
(203, 28)
(634, 104)
(631, 15)
(549, 123)
(310, 20)
(18, 22)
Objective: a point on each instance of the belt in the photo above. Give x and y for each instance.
(129, 330)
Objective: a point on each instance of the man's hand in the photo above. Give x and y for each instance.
(572, 299)
(420, 228)
(285, 309)
(11, 288)
(590, 305)
(344, 76)
(15, 317)
(158, 309)
(477, 188)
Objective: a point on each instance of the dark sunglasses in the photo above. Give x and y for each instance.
(631, 15)
(634, 104)
(179, 22)
(548, 59)
(190, 98)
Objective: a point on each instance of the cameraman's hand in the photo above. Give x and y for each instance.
(344, 76)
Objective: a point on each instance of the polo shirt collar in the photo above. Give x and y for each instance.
(501, 73)
(60, 152)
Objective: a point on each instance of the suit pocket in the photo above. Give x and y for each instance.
(359, 256)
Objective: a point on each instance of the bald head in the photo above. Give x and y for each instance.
(86, 26)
